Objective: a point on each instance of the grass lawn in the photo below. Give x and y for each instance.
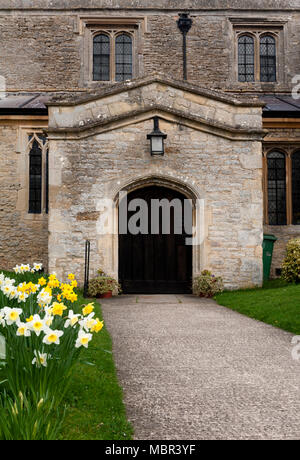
(95, 409)
(277, 303)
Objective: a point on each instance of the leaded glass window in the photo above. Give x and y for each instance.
(35, 179)
(101, 58)
(123, 57)
(246, 58)
(277, 188)
(296, 187)
(267, 59)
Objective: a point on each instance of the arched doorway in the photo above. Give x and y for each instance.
(155, 251)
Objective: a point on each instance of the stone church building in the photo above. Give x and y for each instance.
(88, 87)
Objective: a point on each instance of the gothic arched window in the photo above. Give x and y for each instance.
(277, 188)
(123, 57)
(38, 193)
(246, 58)
(267, 59)
(35, 178)
(101, 58)
(296, 187)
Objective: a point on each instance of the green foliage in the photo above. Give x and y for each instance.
(23, 419)
(291, 264)
(103, 284)
(207, 285)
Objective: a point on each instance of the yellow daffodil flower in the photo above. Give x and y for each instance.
(42, 281)
(98, 326)
(88, 309)
(58, 309)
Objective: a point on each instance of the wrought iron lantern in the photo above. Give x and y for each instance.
(157, 139)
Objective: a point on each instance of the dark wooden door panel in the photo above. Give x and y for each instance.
(155, 263)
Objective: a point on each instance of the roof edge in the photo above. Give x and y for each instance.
(117, 88)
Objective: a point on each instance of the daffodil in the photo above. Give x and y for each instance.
(72, 319)
(52, 337)
(73, 297)
(2, 318)
(22, 297)
(23, 329)
(12, 315)
(37, 267)
(83, 339)
(98, 326)
(88, 309)
(6, 290)
(40, 359)
(88, 322)
(58, 309)
(48, 320)
(37, 325)
(45, 296)
(42, 281)
(54, 283)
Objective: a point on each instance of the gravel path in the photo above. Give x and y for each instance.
(191, 369)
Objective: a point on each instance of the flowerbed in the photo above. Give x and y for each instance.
(44, 328)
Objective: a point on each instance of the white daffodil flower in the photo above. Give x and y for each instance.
(2, 318)
(12, 315)
(40, 359)
(72, 319)
(22, 296)
(52, 336)
(44, 298)
(37, 267)
(88, 322)
(23, 329)
(83, 339)
(37, 325)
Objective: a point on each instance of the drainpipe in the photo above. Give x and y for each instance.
(184, 24)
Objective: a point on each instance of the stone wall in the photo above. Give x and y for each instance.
(45, 51)
(283, 235)
(88, 166)
(39, 53)
(23, 236)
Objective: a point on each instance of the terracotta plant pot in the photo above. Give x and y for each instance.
(106, 295)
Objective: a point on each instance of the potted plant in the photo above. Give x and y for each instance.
(103, 286)
(207, 285)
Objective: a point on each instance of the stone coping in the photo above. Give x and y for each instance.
(169, 5)
(117, 88)
(212, 125)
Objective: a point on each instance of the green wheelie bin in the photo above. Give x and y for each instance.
(268, 246)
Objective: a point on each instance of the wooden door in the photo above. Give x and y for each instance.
(157, 263)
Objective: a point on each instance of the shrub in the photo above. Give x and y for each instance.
(291, 264)
(207, 285)
(103, 284)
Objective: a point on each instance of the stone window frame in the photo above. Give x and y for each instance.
(113, 34)
(288, 151)
(44, 150)
(23, 148)
(89, 27)
(256, 29)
